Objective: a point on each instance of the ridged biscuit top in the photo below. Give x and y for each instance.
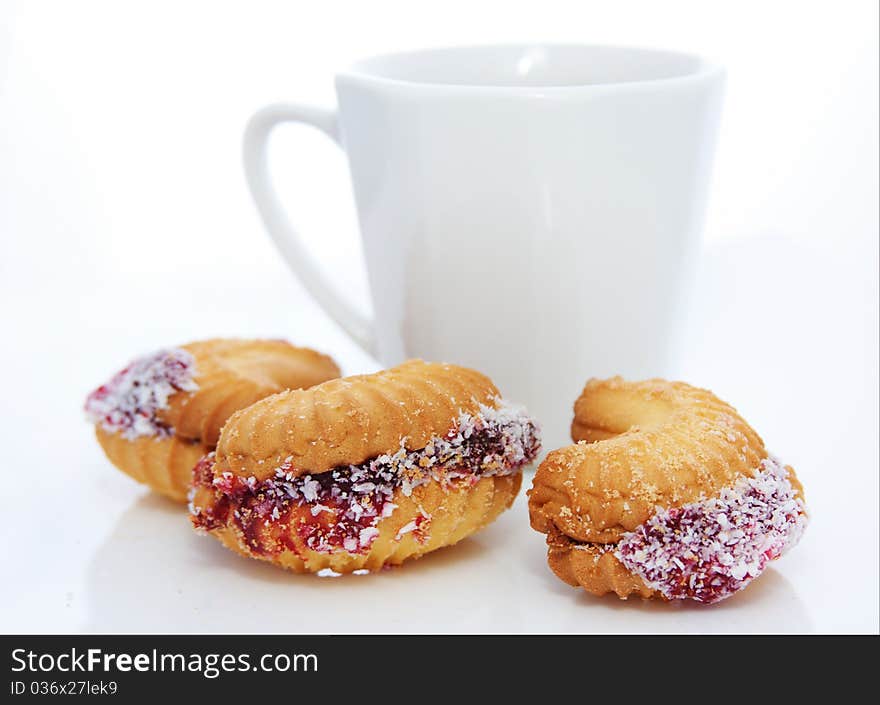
(231, 374)
(347, 421)
(642, 445)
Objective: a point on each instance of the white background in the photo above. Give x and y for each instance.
(126, 226)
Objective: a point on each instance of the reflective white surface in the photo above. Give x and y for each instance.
(88, 550)
(125, 224)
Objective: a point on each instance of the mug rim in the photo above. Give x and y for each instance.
(704, 68)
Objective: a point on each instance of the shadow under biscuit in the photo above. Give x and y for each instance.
(154, 573)
(769, 604)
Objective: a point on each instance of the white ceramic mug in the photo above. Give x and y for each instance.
(528, 211)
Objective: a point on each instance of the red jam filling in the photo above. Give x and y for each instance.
(710, 549)
(339, 510)
(128, 403)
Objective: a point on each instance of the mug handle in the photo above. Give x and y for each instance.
(287, 239)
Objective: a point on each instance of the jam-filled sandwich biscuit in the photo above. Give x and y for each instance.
(364, 472)
(668, 493)
(157, 417)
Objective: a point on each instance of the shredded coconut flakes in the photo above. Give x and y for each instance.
(128, 403)
(346, 503)
(710, 549)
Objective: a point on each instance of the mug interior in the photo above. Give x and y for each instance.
(532, 65)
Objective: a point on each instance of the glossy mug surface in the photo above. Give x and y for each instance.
(528, 211)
